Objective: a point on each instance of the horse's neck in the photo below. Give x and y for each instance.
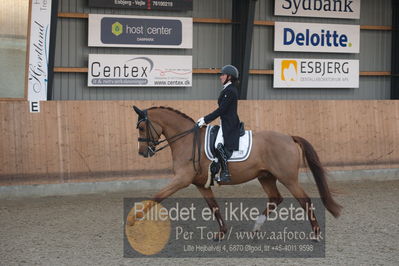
(172, 123)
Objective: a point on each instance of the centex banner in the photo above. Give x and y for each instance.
(110, 70)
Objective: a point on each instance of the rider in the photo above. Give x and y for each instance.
(227, 112)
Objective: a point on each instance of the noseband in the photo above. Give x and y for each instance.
(152, 142)
(149, 139)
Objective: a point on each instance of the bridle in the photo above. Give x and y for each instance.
(149, 139)
(152, 142)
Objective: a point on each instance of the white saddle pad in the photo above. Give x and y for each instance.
(241, 154)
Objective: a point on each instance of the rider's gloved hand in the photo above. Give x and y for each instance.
(201, 122)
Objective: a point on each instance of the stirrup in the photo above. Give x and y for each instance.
(224, 176)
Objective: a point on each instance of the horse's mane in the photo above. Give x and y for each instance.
(173, 110)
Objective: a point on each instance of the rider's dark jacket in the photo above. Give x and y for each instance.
(228, 100)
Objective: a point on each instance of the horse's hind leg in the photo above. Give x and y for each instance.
(213, 205)
(305, 202)
(269, 185)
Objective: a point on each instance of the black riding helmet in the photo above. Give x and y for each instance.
(230, 70)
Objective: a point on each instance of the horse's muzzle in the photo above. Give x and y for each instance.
(148, 153)
(145, 155)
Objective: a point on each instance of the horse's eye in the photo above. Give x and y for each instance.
(141, 129)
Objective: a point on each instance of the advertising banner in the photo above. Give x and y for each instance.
(140, 31)
(343, 9)
(38, 51)
(111, 70)
(315, 73)
(171, 5)
(311, 37)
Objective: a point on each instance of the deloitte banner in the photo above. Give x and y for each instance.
(315, 73)
(310, 37)
(111, 70)
(140, 31)
(346, 9)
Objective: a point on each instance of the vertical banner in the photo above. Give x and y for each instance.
(38, 51)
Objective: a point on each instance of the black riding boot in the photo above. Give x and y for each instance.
(223, 157)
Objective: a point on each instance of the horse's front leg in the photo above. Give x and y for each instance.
(213, 205)
(178, 182)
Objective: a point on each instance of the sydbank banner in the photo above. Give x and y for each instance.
(111, 70)
(140, 31)
(311, 37)
(344, 9)
(38, 50)
(315, 73)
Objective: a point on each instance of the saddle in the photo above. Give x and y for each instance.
(213, 137)
(213, 133)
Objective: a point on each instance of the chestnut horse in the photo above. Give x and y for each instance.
(274, 156)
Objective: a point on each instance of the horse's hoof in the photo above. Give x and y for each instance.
(219, 237)
(315, 239)
(256, 227)
(259, 222)
(130, 221)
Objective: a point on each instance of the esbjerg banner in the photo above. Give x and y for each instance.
(38, 50)
(140, 31)
(342, 9)
(315, 73)
(111, 70)
(312, 37)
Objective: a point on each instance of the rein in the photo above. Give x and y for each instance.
(152, 143)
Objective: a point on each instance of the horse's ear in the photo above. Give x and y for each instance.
(138, 111)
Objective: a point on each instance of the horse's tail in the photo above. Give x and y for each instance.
(319, 175)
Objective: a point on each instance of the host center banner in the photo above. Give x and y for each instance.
(111, 70)
(140, 31)
(315, 73)
(312, 37)
(172, 5)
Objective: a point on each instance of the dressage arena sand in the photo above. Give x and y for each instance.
(87, 229)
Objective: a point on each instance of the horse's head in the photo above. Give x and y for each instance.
(149, 133)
